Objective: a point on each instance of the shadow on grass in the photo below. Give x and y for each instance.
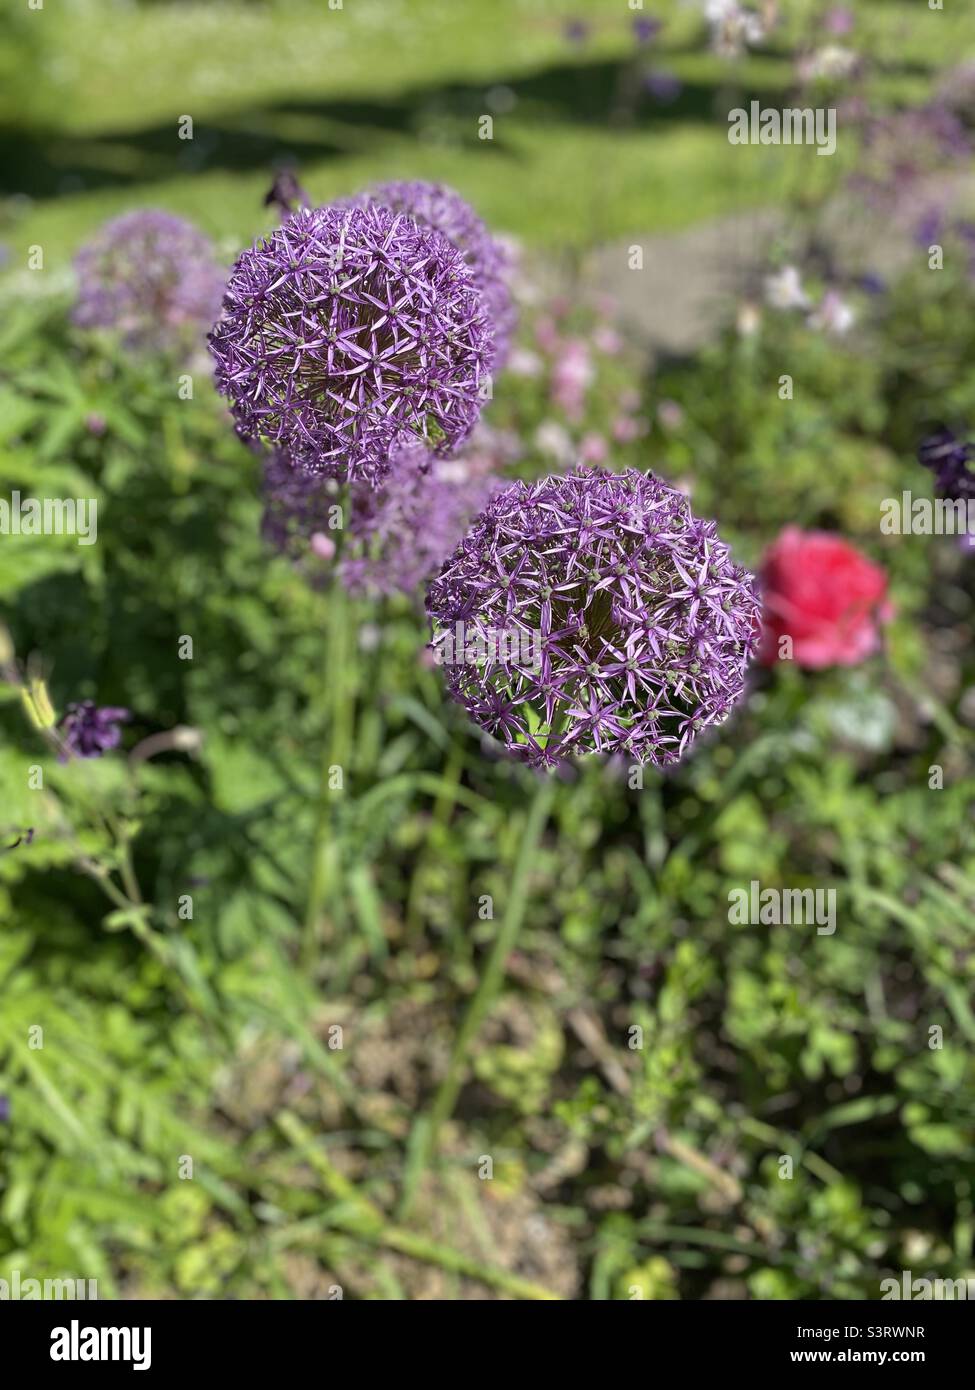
(49, 164)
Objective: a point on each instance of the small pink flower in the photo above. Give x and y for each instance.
(670, 414)
(593, 449)
(547, 335)
(626, 429)
(323, 546)
(571, 378)
(524, 362)
(834, 315)
(607, 340)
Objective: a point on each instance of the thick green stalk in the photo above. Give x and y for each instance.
(325, 881)
(426, 1129)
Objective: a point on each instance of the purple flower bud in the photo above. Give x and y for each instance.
(593, 612)
(286, 192)
(88, 732)
(152, 278)
(346, 328)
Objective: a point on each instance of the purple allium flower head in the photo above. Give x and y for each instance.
(402, 533)
(345, 328)
(435, 205)
(153, 278)
(4, 1109)
(948, 458)
(88, 731)
(593, 612)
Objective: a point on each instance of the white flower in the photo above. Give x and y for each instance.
(524, 362)
(749, 318)
(554, 439)
(733, 28)
(834, 314)
(783, 290)
(830, 63)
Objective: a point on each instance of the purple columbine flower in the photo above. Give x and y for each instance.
(88, 731)
(152, 278)
(948, 458)
(435, 205)
(593, 612)
(347, 327)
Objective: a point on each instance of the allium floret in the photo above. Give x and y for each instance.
(151, 277)
(346, 328)
(593, 612)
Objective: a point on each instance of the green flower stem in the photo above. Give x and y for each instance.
(426, 1129)
(326, 867)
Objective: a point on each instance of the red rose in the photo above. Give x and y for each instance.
(824, 595)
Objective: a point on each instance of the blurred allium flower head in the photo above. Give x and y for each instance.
(88, 731)
(401, 533)
(297, 505)
(486, 453)
(394, 536)
(346, 328)
(903, 147)
(152, 278)
(435, 205)
(948, 458)
(593, 612)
